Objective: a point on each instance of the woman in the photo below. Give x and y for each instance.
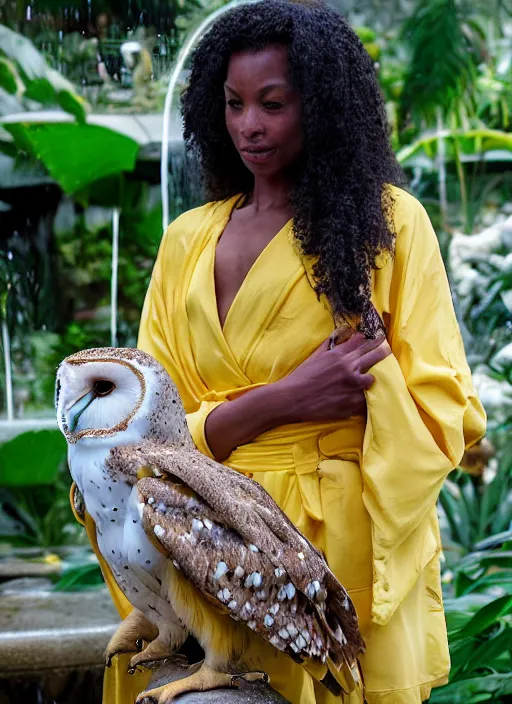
(307, 230)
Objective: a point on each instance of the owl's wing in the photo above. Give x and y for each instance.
(232, 541)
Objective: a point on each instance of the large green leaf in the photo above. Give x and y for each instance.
(485, 560)
(41, 90)
(456, 513)
(76, 154)
(495, 580)
(471, 145)
(476, 689)
(23, 70)
(23, 52)
(460, 653)
(32, 458)
(486, 617)
(494, 540)
(9, 77)
(461, 610)
(79, 578)
(490, 652)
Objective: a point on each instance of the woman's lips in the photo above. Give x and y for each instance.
(256, 155)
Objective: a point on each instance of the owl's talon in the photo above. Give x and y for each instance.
(143, 699)
(134, 670)
(202, 680)
(254, 676)
(109, 656)
(131, 633)
(157, 650)
(340, 335)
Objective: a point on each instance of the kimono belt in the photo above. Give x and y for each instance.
(299, 448)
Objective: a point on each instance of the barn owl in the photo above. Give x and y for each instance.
(195, 546)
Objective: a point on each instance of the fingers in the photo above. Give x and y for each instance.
(353, 342)
(366, 381)
(359, 344)
(373, 356)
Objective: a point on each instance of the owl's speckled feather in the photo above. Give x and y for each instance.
(234, 543)
(194, 545)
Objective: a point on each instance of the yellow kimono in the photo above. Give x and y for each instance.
(363, 490)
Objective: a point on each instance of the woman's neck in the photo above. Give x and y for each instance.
(270, 194)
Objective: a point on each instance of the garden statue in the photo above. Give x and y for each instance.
(195, 546)
(137, 58)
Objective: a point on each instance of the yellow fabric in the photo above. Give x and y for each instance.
(363, 490)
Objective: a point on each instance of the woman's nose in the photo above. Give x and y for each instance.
(251, 123)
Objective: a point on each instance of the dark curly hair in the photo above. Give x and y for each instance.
(342, 210)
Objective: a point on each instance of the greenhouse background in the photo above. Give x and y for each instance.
(92, 166)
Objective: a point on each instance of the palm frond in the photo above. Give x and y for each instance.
(443, 47)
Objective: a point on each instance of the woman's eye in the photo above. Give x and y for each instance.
(235, 104)
(273, 105)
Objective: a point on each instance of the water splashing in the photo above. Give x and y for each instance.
(6, 344)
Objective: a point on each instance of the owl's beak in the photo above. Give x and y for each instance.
(78, 407)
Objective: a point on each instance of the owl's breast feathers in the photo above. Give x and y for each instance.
(229, 538)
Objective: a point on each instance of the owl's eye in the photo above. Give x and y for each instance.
(103, 387)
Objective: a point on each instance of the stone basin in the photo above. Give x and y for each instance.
(52, 645)
(46, 630)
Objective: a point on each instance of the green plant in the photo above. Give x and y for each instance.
(446, 82)
(478, 612)
(32, 459)
(83, 575)
(25, 75)
(475, 510)
(444, 40)
(475, 159)
(39, 517)
(97, 151)
(34, 491)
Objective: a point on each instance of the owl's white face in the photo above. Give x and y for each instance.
(121, 392)
(97, 398)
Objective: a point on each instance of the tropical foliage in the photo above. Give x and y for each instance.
(445, 68)
(448, 83)
(27, 82)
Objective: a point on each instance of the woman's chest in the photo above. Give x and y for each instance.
(238, 250)
(273, 323)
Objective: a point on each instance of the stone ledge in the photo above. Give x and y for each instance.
(56, 635)
(248, 693)
(54, 630)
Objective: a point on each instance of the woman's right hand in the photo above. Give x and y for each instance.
(327, 386)
(330, 384)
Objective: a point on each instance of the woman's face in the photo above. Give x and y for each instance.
(263, 111)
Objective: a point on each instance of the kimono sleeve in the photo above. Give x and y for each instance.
(422, 412)
(156, 333)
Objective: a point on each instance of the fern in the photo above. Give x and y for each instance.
(443, 41)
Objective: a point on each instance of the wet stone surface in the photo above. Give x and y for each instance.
(45, 630)
(52, 644)
(248, 693)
